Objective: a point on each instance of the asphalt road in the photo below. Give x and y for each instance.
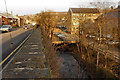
(17, 36)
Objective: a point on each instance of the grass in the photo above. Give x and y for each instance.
(51, 56)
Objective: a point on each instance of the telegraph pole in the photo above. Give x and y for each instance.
(11, 41)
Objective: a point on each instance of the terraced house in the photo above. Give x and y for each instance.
(0, 20)
(9, 19)
(79, 15)
(119, 22)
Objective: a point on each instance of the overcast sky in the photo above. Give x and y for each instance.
(23, 7)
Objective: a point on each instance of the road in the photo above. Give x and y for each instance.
(30, 61)
(17, 34)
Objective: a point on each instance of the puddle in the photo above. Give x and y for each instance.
(33, 53)
(34, 45)
(29, 68)
(21, 69)
(34, 48)
(18, 62)
(18, 69)
(29, 59)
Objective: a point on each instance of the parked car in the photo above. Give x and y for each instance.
(61, 35)
(6, 28)
(113, 42)
(66, 31)
(26, 27)
(102, 38)
(63, 28)
(87, 36)
(57, 33)
(90, 36)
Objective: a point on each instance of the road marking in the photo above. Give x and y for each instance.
(14, 50)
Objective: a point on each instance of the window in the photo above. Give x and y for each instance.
(75, 23)
(90, 15)
(75, 14)
(76, 27)
(73, 18)
(77, 19)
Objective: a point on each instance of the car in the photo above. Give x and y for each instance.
(61, 35)
(26, 27)
(6, 28)
(66, 31)
(113, 42)
(102, 38)
(63, 28)
(87, 36)
(90, 36)
(57, 33)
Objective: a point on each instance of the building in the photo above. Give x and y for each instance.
(3, 20)
(9, 19)
(78, 16)
(0, 20)
(21, 22)
(119, 22)
(59, 17)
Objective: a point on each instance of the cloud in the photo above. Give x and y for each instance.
(34, 6)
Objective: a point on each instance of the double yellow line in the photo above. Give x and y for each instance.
(14, 50)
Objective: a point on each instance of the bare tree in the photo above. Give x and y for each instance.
(47, 22)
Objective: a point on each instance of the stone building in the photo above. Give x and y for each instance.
(9, 19)
(79, 15)
(119, 22)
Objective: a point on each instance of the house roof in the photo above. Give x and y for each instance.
(85, 10)
(113, 14)
(7, 15)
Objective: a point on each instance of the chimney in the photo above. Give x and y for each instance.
(111, 7)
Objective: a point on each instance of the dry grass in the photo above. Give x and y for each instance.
(52, 56)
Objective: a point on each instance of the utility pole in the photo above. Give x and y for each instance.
(11, 41)
(12, 18)
(11, 33)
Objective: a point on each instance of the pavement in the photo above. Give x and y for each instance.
(17, 34)
(29, 61)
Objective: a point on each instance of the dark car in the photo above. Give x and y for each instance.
(26, 27)
(63, 28)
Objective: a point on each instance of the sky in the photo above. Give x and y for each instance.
(26, 7)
